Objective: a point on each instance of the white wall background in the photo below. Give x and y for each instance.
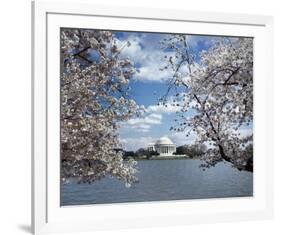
(15, 114)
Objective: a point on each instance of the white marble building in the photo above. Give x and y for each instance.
(164, 146)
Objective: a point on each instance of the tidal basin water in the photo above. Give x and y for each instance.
(161, 180)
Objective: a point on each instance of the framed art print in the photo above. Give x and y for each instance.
(145, 117)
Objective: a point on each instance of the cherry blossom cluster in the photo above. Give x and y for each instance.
(94, 99)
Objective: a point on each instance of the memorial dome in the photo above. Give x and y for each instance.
(164, 141)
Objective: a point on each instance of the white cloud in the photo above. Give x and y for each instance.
(133, 144)
(132, 51)
(150, 119)
(170, 105)
(244, 131)
(155, 116)
(149, 55)
(180, 138)
(149, 58)
(169, 108)
(151, 72)
(143, 124)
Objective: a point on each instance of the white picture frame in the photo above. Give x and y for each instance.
(47, 215)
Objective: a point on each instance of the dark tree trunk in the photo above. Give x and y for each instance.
(223, 155)
(248, 167)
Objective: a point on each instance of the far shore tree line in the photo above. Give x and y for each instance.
(189, 150)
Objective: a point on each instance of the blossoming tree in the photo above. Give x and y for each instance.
(94, 99)
(218, 87)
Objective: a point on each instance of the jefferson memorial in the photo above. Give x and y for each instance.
(164, 146)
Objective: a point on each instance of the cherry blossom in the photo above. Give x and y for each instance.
(94, 99)
(219, 87)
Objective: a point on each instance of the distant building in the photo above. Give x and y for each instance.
(164, 146)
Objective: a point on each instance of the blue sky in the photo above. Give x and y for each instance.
(149, 85)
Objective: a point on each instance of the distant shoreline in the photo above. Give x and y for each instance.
(164, 157)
